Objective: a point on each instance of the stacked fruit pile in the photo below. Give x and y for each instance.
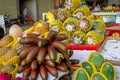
(73, 20)
(8, 62)
(110, 9)
(43, 55)
(7, 41)
(95, 69)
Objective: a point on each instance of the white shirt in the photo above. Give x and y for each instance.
(25, 12)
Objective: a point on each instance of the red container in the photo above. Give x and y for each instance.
(111, 32)
(83, 47)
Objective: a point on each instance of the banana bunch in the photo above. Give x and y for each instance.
(44, 55)
(40, 28)
(72, 5)
(63, 14)
(67, 40)
(94, 37)
(83, 10)
(30, 30)
(55, 25)
(50, 17)
(85, 24)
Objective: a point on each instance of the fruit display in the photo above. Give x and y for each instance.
(43, 55)
(98, 76)
(97, 59)
(89, 67)
(82, 11)
(78, 37)
(67, 40)
(72, 5)
(50, 17)
(108, 70)
(55, 25)
(63, 14)
(96, 68)
(85, 24)
(81, 74)
(9, 61)
(110, 8)
(40, 28)
(73, 19)
(41, 50)
(3, 50)
(16, 45)
(11, 57)
(99, 25)
(95, 17)
(94, 37)
(70, 24)
(7, 41)
(10, 69)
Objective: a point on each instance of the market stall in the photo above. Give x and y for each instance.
(108, 16)
(68, 44)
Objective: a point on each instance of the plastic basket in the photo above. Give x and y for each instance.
(111, 32)
(83, 47)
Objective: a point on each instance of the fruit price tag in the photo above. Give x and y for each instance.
(108, 18)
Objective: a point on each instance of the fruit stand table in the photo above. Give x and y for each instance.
(81, 55)
(108, 16)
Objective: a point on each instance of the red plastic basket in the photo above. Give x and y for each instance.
(115, 24)
(110, 32)
(83, 47)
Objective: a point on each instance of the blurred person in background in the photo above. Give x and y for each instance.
(118, 8)
(97, 8)
(25, 15)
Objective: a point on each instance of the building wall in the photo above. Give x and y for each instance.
(110, 2)
(45, 6)
(31, 7)
(9, 7)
